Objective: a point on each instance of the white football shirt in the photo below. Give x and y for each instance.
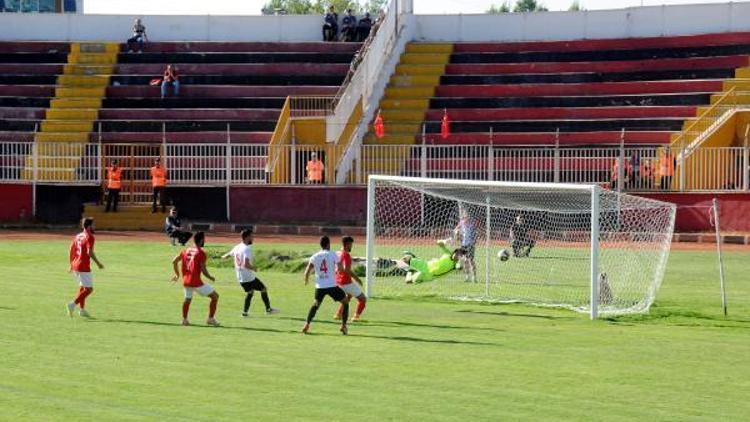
(325, 268)
(240, 253)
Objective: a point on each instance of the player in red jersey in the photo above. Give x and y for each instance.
(193, 265)
(344, 280)
(81, 255)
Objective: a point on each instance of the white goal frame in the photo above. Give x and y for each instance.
(594, 191)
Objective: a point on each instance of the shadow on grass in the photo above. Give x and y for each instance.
(354, 331)
(517, 315)
(175, 324)
(7, 308)
(680, 318)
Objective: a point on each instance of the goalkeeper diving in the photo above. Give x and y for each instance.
(420, 269)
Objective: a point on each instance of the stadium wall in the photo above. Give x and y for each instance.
(16, 202)
(692, 211)
(649, 21)
(57, 204)
(338, 205)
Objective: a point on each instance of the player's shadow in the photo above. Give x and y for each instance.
(514, 314)
(6, 308)
(395, 324)
(175, 324)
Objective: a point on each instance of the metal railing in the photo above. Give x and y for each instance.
(713, 117)
(632, 169)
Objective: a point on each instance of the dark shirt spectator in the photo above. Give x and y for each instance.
(173, 228)
(139, 36)
(363, 27)
(349, 26)
(171, 77)
(330, 25)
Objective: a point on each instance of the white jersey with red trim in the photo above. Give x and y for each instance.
(324, 263)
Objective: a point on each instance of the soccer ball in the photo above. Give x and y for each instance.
(503, 255)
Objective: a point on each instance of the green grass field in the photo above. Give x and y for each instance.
(412, 359)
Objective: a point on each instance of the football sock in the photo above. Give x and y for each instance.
(185, 309)
(345, 313)
(311, 314)
(248, 299)
(83, 293)
(360, 307)
(212, 307)
(266, 300)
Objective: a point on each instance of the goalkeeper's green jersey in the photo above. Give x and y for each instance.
(434, 267)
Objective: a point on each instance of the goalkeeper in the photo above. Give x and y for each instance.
(420, 270)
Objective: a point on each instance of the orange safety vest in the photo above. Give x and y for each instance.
(114, 177)
(158, 177)
(315, 171)
(667, 165)
(615, 170)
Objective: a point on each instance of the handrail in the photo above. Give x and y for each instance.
(720, 102)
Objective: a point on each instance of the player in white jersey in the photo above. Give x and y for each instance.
(244, 266)
(326, 263)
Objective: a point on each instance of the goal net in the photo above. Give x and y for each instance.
(574, 246)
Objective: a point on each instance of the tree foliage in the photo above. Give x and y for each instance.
(576, 6)
(498, 9)
(528, 6)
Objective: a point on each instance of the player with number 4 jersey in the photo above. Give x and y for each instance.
(325, 264)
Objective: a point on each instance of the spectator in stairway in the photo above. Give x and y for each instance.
(314, 170)
(363, 27)
(349, 27)
(114, 184)
(647, 174)
(330, 25)
(158, 184)
(173, 228)
(666, 168)
(171, 77)
(139, 36)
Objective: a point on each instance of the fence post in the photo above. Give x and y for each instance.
(621, 162)
(34, 174)
(228, 158)
(423, 157)
(556, 176)
(293, 158)
(681, 169)
(491, 157)
(746, 162)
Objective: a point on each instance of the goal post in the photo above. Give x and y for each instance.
(551, 244)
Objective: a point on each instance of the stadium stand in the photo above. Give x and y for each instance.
(588, 90)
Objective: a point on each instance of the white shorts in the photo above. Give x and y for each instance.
(203, 290)
(351, 289)
(84, 279)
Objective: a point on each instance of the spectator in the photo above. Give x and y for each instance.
(635, 170)
(666, 168)
(173, 227)
(314, 169)
(114, 184)
(139, 36)
(349, 27)
(363, 27)
(158, 184)
(614, 176)
(170, 77)
(331, 25)
(647, 174)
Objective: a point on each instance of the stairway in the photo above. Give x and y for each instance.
(73, 111)
(127, 217)
(406, 101)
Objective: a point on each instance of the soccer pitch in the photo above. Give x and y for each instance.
(418, 359)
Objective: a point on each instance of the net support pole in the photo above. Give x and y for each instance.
(370, 231)
(594, 252)
(721, 257)
(487, 249)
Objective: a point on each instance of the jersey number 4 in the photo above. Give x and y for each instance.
(324, 267)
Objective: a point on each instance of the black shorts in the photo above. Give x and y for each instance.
(253, 285)
(469, 251)
(334, 292)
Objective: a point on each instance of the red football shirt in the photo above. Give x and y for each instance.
(192, 262)
(80, 252)
(346, 262)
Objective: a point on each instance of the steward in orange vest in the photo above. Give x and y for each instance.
(114, 184)
(158, 184)
(314, 169)
(666, 169)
